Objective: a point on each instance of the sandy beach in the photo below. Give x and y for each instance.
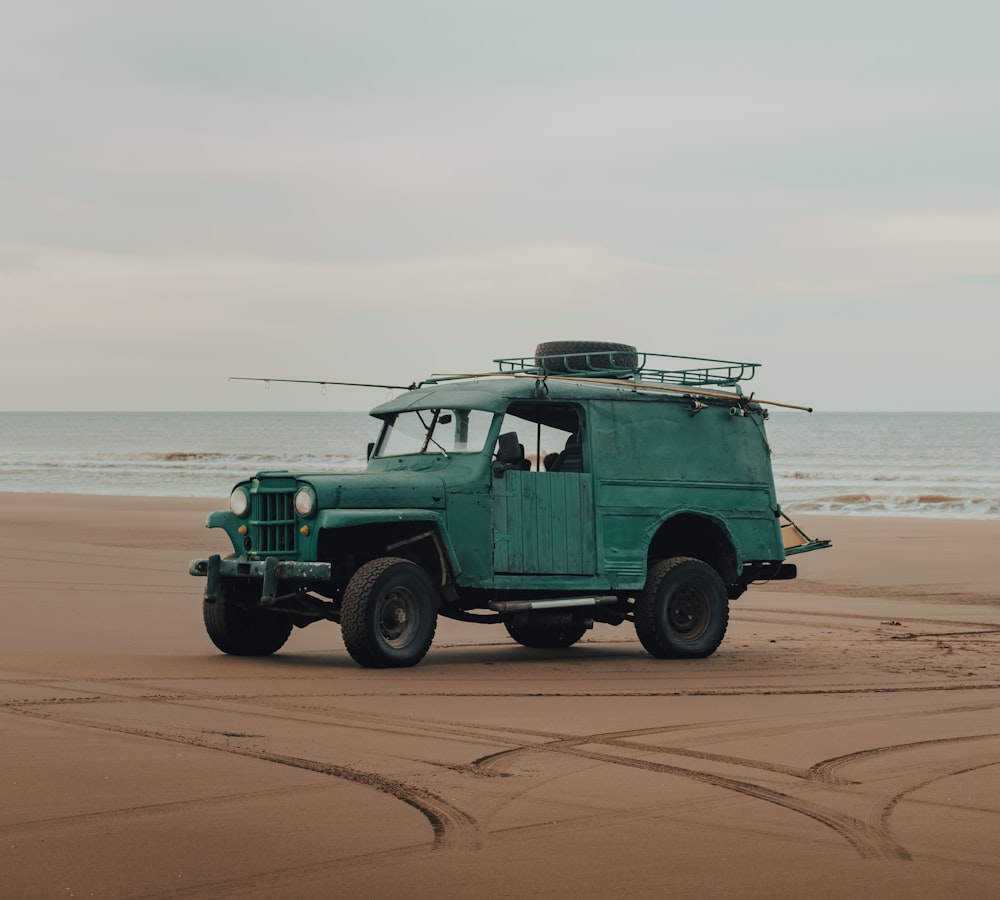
(843, 742)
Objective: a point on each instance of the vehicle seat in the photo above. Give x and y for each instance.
(571, 458)
(510, 453)
(523, 464)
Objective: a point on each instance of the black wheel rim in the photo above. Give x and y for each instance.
(397, 617)
(688, 612)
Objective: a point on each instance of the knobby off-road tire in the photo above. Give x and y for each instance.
(596, 356)
(683, 611)
(244, 632)
(546, 635)
(389, 613)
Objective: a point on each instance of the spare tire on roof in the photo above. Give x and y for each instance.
(575, 357)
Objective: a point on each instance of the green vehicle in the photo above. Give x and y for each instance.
(590, 483)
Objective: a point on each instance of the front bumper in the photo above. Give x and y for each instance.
(269, 571)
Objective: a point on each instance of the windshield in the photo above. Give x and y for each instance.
(443, 431)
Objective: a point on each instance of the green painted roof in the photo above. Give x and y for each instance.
(493, 393)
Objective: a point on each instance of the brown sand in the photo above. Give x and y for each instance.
(843, 742)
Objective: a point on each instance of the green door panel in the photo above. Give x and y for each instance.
(543, 523)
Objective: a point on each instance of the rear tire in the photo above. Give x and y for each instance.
(547, 635)
(244, 631)
(683, 611)
(389, 614)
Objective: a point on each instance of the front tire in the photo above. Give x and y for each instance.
(683, 611)
(243, 630)
(389, 614)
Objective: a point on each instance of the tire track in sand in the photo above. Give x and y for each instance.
(453, 828)
(824, 772)
(890, 803)
(148, 810)
(871, 841)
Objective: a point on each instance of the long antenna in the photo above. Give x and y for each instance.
(388, 387)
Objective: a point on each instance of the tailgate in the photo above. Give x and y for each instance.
(797, 541)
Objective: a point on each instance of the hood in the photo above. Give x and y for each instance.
(379, 490)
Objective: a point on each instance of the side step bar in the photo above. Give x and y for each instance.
(507, 606)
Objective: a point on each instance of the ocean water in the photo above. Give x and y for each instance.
(909, 464)
(172, 454)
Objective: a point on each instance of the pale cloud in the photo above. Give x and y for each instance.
(189, 323)
(124, 331)
(965, 239)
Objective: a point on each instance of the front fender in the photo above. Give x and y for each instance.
(224, 519)
(350, 518)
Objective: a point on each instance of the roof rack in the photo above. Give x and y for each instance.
(656, 368)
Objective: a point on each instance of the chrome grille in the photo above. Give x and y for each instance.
(272, 524)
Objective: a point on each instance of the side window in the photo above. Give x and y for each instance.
(551, 433)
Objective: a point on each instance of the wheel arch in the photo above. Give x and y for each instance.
(351, 538)
(699, 535)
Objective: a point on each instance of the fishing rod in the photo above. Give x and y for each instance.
(388, 387)
(680, 390)
(719, 395)
(643, 385)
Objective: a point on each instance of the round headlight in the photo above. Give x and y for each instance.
(239, 502)
(305, 502)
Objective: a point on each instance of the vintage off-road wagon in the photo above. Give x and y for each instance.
(589, 483)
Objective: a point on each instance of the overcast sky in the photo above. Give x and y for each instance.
(383, 189)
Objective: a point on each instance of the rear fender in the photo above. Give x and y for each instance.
(699, 534)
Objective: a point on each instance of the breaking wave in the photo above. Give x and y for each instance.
(938, 505)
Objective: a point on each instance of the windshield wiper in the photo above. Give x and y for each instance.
(428, 439)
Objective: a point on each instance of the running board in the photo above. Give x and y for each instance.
(506, 606)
